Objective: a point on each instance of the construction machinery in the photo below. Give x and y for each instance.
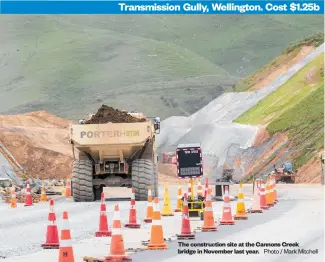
(189, 166)
(114, 155)
(285, 174)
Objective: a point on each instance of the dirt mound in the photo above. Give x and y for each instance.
(39, 141)
(107, 114)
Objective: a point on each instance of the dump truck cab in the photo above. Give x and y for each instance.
(114, 155)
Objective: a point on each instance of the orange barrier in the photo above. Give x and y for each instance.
(269, 201)
(103, 230)
(227, 218)
(263, 203)
(179, 199)
(52, 235)
(148, 218)
(68, 189)
(66, 250)
(133, 213)
(256, 206)
(28, 199)
(186, 225)
(157, 235)
(208, 223)
(117, 250)
(13, 199)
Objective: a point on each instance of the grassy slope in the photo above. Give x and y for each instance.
(70, 65)
(296, 108)
(286, 56)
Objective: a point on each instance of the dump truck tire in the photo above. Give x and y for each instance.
(143, 173)
(82, 181)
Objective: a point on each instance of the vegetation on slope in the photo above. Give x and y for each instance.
(286, 56)
(296, 108)
(166, 65)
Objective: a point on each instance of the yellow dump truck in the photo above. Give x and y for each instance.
(114, 155)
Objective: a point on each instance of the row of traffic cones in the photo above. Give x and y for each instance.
(265, 196)
(117, 250)
(66, 254)
(263, 199)
(52, 237)
(28, 196)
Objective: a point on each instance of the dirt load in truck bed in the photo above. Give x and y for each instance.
(107, 114)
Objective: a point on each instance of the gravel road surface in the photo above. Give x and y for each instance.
(298, 217)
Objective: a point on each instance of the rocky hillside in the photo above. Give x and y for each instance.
(292, 121)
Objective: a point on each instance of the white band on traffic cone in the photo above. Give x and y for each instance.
(156, 222)
(116, 216)
(65, 225)
(66, 243)
(116, 231)
(208, 208)
(156, 207)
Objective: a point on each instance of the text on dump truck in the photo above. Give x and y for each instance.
(115, 133)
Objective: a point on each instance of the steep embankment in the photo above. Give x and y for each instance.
(213, 125)
(39, 142)
(293, 118)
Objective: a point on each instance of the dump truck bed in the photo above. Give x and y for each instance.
(111, 139)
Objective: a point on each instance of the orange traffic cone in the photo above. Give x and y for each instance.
(103, 230)
(276, 200)
(211, 190)
(271, 188)
(186, 225)
(157, 235)
(117, 251)
(133, 213)
(43, 194)
(227, 218)
(256, 206)
(199, 190)
(28, 199)
(241, 208)
(269, 200)
(148, 218)
(52, 235)
(66, 250)
(206, 188)
(179, 200)
(208, 223)
(68, 189)
(13, 200)
(263, 204)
